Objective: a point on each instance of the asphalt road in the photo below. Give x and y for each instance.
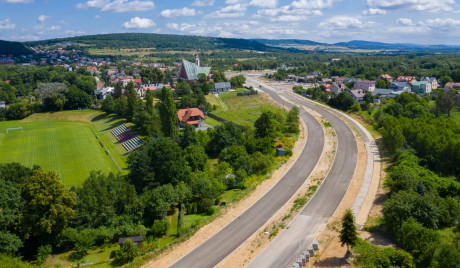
(216, 248)
(299, 234)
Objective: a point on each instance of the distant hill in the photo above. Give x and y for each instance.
(359, 44)
(13, 48)
(159, 42)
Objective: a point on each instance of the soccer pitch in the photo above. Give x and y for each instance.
(69, 148)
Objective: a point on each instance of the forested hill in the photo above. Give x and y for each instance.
(159, 42)
(13, 48)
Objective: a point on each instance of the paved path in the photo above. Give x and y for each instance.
(299, 234)
(220, 245)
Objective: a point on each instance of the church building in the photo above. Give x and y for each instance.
(189, 71)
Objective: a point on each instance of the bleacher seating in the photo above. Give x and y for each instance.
(132, 143)
(128, 139)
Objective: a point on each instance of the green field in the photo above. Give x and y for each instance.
(243, 110)
(64, 142)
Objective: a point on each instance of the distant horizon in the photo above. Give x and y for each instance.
(423, 22)
(247, 38)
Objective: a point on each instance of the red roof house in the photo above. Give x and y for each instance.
(191, 116)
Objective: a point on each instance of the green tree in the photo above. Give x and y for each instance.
(238, 81)
(189, 136)
(43, 253)
(85, 240)
(108, 105)
(342, 101)
(348, 234)
(10, 200)
(446, 79)
(118, 91)
(168, 114)
(292, 120)
(264, 126)
(132, 100)
(149, 102)
(127, 252)
(196, 157)
(368, 98)
(77, 98)
(382, 83)
(202, 77)
(445, 102)
(48, 205)
(121, 106)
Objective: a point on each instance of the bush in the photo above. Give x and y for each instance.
(159, 228)
(127, 252)
(43, 252)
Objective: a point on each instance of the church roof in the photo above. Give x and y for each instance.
(192, 70)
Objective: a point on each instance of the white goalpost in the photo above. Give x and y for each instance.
(14, 129)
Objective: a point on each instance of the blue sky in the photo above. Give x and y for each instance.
(414, 21)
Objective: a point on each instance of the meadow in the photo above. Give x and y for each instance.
(64, 142)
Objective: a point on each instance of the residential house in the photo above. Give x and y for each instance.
(100, 85)
(401, 86)
(326, 80)
(137, 81)
(191, 116)
(357, 94)
(408, 79)
(221, 87)
(189, 71)
(365, 85)
(337, 88)
(2, 105)
(125, 81)
(452, 85)
(382, 92)
(421, 87)
(386, 77)
(432, 80)
(104, 92)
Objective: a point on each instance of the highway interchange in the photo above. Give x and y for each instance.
(315, 215)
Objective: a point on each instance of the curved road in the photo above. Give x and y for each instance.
(295, 239)
(217, 247)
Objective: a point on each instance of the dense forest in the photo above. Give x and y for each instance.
(160, 42)
(13, 48)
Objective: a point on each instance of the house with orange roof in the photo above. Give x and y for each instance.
(386, 77)
(191, 116)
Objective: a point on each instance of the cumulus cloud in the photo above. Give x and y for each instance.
(7, 24)
(137, 23)
(264, 3)
(441, 23)
(18, 1)
(341, 23)
(203, 3)
(183, 12)
(404, 21)
(230, 11)
(374, 11)
(43, 18)
(118, 6)
(72, 32)
(417, 5)
(313, 4)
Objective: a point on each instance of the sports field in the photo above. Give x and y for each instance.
(63, 142)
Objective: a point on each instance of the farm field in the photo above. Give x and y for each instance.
(64, 142)
(242, 110)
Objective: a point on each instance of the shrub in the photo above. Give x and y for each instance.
(159, 228)
(127, 252)
(43, 252)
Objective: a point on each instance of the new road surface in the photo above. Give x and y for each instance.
(220, 245)
(320, 208)
(299, 234)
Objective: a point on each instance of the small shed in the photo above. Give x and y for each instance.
(137, 240)
(280, 151)
(2, 105)
(221, 87)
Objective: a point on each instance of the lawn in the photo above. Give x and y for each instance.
(64, 142)
(243, 110)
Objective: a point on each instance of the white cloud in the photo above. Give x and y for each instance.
(374, 11)
(264, 3)
(118, 6)
(341, 23)
(72, 32)
(18, 1)
(313, 4)
(43, 18)
(7, 24)
(173, 26)
(417, 5)
(203, 3)
(441, 23)
(29, 37)
(172, 13)
(231, 11)
(54, 28)
(136, 23)
(405, 21)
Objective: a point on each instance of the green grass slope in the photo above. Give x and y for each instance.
(63, 142)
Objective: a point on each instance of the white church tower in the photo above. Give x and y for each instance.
(197, 60)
